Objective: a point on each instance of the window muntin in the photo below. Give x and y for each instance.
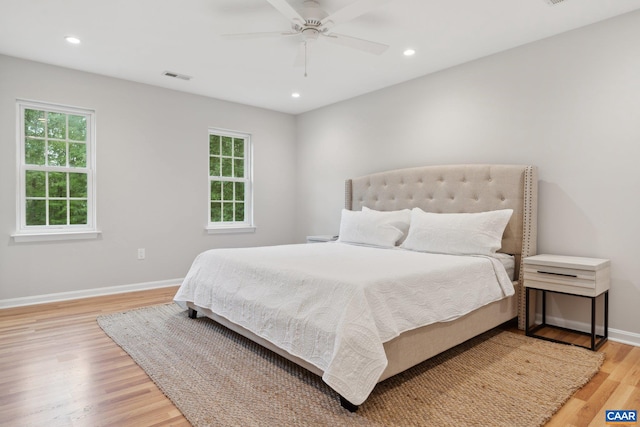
(229, 180)
(56, 169)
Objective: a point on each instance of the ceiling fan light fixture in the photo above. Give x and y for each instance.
(310, 34)
(409, 52)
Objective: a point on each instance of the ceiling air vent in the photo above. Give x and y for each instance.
(553, 2)
(176, 75)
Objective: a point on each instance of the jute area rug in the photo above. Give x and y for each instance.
(218, 378)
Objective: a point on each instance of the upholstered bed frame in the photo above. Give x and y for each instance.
(443, 189)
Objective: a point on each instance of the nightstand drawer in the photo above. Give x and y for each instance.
(565, 276)
(573, 275)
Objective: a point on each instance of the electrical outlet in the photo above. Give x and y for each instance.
(141, 253)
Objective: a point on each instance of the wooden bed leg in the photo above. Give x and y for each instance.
(193, 314)
(348, 405)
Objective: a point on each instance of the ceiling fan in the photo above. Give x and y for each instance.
(312, 23)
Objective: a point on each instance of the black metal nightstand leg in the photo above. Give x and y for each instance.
(596, 340)
(544, 307)
(526, 315)
(593, 323)
(606, 315)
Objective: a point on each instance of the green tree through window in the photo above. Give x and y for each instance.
(229, 181)
(56, 146)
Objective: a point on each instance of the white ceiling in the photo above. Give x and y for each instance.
(140, 39)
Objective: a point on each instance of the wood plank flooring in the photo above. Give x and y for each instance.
(58, 368)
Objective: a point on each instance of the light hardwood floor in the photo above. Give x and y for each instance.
(58, 368)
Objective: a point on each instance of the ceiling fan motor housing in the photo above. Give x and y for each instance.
(312, 13)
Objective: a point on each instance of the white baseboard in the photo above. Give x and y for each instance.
(72, 295)
(624, 337)
(616, 335)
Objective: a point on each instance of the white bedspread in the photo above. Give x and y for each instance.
(334, 305)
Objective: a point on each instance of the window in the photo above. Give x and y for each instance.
(230, 186)
(56, 172)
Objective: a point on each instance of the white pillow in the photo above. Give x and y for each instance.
(458, 233)
(399, 219)
(368, 228)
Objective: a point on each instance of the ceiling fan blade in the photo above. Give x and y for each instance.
(356, 43)
(351, 11)
(257, 35)
(285, 8)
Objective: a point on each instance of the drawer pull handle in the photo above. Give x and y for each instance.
(557, 274)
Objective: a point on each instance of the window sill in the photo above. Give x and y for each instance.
(55, 236)
(230, 230)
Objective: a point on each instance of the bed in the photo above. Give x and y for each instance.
(385, 331)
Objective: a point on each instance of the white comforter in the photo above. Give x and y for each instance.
(334, 305)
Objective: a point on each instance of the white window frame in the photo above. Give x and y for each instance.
(34, 233)
(246, 226)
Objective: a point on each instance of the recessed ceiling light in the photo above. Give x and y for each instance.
(295, 95)
(409, 52)
(72, 40)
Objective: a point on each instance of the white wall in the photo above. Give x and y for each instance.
(569, 104)
(152, 166)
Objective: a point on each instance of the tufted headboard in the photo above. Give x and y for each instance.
(458, 189)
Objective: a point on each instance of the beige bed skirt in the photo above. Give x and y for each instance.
(411, 347)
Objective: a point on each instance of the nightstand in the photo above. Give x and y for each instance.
(321, 238)
(581, 277)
